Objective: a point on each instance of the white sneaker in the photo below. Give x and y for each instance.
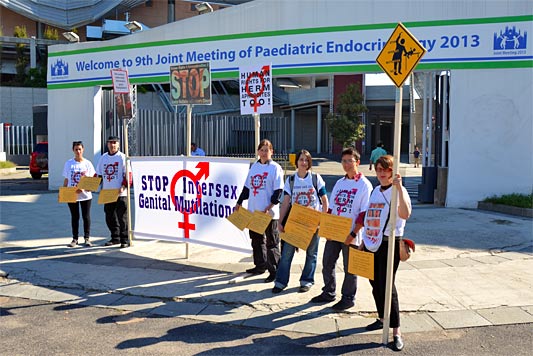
(88, 243)
(73, 243)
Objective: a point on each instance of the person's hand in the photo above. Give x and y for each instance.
(79, 191)
(281, 228)
(361, 246)
(237, 206)
(397, 181)
(349, 239)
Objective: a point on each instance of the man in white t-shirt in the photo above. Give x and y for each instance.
(349, 198)
(112, 168)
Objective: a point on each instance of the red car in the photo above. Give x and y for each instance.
(39, 160)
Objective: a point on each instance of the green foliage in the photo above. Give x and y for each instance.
(345, 123)
(22, 61)
(36, 78)
(51, 33)
(518, 200)
(7, 164)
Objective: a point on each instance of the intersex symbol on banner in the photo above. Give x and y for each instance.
(203, 172)
(261, 75)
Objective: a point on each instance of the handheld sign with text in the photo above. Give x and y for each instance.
(256, 90)
(190, 84)
(400, 55)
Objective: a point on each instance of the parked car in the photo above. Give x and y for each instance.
(39, 160)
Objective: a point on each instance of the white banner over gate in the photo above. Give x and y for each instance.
(255, 84)
(186, 199)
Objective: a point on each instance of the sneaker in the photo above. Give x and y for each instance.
(322, 299)
(73, 243)
(376, 325)
(343, 304)
(88, 243)
(124, 245)
(276, 290)
(111, 243)
(304, 289)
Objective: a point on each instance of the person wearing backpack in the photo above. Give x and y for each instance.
(307, 189)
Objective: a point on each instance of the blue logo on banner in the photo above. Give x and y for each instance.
(59, 69)
(511, 38)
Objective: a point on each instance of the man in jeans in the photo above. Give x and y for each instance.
(349, 198)
(112, 168)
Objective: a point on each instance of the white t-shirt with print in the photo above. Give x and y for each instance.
(349, 198)
(304, 192)
(262, 181)
(74, 170)
(112, 168)
(376, 217)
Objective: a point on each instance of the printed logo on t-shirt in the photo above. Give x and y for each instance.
(373, 221)
(75, 177)
(258, 181)
(305, 198)
(111, 171)
(344, 200)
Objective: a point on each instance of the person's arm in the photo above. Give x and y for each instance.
(284, 210)
(358, 226)
(274, 199)
(245, 194)
(65, 182)
(404, 203)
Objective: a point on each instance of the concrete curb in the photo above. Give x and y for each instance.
(505, 209)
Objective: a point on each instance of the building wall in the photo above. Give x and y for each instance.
(16, 104)
(491, 135)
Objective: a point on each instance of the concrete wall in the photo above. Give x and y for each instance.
(71, 119)
(491, 134)
(16, 104)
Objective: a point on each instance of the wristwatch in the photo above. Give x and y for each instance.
(352, 234)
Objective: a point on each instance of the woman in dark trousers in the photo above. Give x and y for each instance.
(375, 239)
(74, 169)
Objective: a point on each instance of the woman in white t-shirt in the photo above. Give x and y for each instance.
(307, 189)
(74, 169)
(262, 189)
(375, 238)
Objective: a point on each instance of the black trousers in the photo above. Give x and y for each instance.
(116, 218)
(75, 217)
(380, 280)
(265, 248)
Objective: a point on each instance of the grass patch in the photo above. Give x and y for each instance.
(518, 200)
(7, 164)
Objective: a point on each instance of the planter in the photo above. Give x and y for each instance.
(505, 209)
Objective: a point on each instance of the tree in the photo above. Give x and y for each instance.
(22, 60)
(345, 123)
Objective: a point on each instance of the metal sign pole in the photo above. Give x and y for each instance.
(393, 213)
(257, 125)
(188, 150)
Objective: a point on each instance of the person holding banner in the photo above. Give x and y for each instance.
(263, 188)
(73, 170)
(375, 239)
(349, 198)
(307, 189)
(112, 168)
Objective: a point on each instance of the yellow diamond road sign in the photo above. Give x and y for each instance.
(400, 55)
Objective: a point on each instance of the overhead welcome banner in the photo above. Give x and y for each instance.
(186, 199)
(504, 42)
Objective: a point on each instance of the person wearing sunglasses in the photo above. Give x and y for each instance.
(349, 198)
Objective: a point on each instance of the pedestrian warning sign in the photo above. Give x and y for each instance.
(400, 55)
(256, 90)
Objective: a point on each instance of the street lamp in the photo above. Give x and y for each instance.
(203, 7)
(134, 26)
(71, 36)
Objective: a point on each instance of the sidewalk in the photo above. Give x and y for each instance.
(471, 268)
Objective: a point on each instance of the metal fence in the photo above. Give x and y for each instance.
(161, 133)
(16, 140)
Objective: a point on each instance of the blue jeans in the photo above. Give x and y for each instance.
(332, 250)
(284, 268)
